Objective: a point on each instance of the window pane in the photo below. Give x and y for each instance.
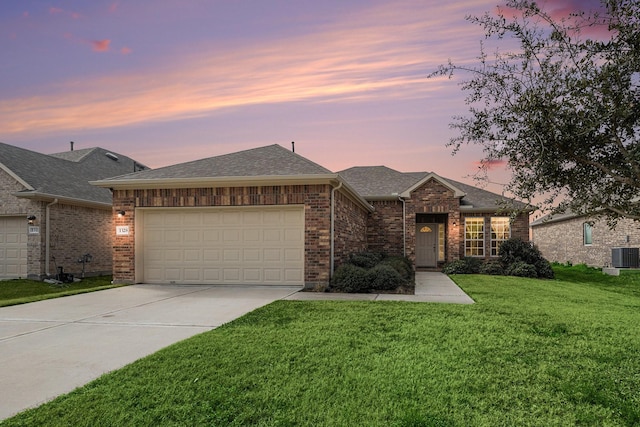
(474, 237)
(587, 233)
(500, 231)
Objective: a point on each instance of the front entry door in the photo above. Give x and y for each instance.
(426, 245)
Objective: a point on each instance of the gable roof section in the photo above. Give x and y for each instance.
(457, 193)
(383, 183)
(378, 182)
(52, 176)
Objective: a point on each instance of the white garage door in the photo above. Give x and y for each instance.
(13, 247)
(249, 245)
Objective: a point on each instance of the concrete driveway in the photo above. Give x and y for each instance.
(51, 347)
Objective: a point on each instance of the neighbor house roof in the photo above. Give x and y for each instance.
(556, 217)
(381, 182)
(64, 176)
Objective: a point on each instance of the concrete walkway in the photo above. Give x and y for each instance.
(50, 347)
(430, 287)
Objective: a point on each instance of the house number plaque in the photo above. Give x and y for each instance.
(122, 230)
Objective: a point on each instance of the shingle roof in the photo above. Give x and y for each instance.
(272, 160)
(65, 175)
(381, 181)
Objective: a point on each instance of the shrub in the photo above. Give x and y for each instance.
(463, 266)
(401, 264)
(492, 267)
(384, 277)
(474, 264)
(514, 250)
(366, 259)
(350, 278)
(522, 269)
(458, 266)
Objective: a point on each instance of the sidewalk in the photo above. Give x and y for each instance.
(430, 287)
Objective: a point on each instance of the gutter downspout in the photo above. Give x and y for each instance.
(404, 227)
(333, 221)
(48, 237)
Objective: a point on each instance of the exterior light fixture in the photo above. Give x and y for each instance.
(121, 214)
(31, 219)
(454, 222)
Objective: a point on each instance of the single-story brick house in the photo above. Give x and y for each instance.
(270, 216)
(50, 216)
(579, 239)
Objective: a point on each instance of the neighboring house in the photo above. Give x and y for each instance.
(270, 216)
(50, 216)
(579, 239)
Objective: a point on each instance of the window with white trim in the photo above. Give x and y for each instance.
(500, 231)
(440, 242)
(474, 237)
(586, 234)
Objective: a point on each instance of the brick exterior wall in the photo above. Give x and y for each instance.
(350, 228)
(563, 241)
(315, 198)
(434, 198)
(76, 231)
(384, 228)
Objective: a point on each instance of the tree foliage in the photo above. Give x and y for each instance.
(562, 108)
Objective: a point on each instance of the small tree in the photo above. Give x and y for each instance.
(563, 109)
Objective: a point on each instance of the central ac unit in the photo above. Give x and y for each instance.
(625, 257)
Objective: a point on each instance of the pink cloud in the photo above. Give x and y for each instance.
(114, 6)
(125, 51)
(25, 14)
(56, 11)
(491, 163)
(101, 45)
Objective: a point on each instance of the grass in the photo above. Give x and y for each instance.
(21, 291)
(528, 353)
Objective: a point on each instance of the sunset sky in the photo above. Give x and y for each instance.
(168, 81)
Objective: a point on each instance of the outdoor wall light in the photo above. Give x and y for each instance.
(121, 214)
(455, 222)
(31, 219)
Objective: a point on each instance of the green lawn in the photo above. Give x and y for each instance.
(561, 352)
(21, 291)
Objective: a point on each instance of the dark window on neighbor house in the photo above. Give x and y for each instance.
(500, 231)
(586, 233)
(474, 237)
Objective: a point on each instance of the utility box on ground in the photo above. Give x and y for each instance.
(625, 257)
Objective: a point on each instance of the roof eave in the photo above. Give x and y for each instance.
(34, 195)
(227, 181)
(22, 182)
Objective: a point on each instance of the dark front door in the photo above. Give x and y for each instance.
(426, 245)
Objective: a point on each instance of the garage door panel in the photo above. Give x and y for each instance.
(292, 255)
(212, 275)
(223, 245)
(251, 235)
(192, 275)
(211, 255)
(252, 275)
(252, 255)
(210, 236)
(13, 250)
(231, 275)
(272, 235)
